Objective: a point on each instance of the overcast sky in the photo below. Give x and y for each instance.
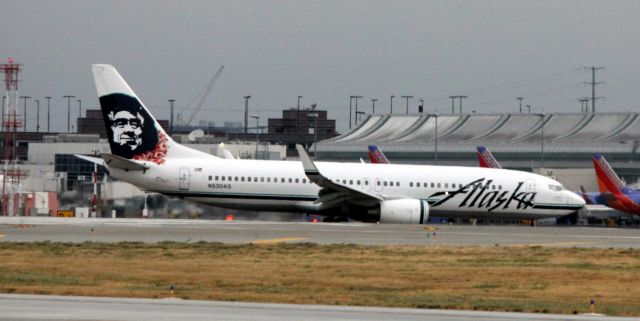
(325, 51)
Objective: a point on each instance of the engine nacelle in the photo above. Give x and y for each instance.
(404, 211)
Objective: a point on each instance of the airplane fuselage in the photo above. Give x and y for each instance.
(283, 186)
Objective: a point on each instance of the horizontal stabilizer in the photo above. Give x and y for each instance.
(122, 163)
(94, 160)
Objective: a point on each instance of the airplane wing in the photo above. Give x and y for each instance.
(122, 163)
(94, 160)
(333, 193)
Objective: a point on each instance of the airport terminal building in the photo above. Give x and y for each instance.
(518, 140)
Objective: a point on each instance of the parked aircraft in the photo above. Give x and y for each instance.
(613, 192)
(144, 155)
(486, 159)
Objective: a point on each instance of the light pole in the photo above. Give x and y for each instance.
(350, 110)
(79, 108)
(25, 111)
(48, 111)
(315, 132)
(461, 102)
(37, 115)
(520, 100)
(391, 104)
(421, 107)
(257, 117)
(298, 117)
(68, 111)
(356, 98)
(246, 112)
(373, 106)
(542, 143)
(407, 102)
(171, 101)
(436, 142)
(528, 108)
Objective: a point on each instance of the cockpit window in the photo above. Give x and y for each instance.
(556, 187)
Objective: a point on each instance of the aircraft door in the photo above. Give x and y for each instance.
(378, 185)
(184, 178)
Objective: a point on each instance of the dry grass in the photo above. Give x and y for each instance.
(529, 279)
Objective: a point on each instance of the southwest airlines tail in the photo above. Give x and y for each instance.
(132, 131)
(376, 156)
(608, 181)
(486, 159)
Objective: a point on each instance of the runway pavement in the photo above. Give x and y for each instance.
(32, 229)
(35, 307)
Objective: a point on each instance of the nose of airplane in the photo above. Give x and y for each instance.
(574, 199)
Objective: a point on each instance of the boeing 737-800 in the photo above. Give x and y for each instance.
(144, 155)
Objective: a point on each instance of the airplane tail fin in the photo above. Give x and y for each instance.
(486, 159)
(376, 156)
(608, 181)
(585, 196)
(132, 131)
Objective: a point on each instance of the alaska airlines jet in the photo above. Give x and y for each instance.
(144, 155)
(486, 159)
(613, 192)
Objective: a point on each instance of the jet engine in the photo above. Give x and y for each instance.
(404, 211)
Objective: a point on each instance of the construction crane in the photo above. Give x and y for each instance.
(201, 97)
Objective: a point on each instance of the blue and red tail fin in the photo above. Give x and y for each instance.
(376, 156)
(585, 196)
(608, 180)
(486, 159)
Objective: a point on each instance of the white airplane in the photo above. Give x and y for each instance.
(144, 155)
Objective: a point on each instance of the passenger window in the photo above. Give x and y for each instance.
(385, 183)
(242, 178)
(296, 181)
(210, 178)
(222, 178)
(378, 183)
(366, 183)
(350, 182)
(268, 179)
(438, 185)
(432, 185)
(358, 182)
(255, 179)
(398, 184)
(236, 178)
(410, 184)
(500, 187)
(217, 177)
(261, 179)
(446, 185)
(290, 180)
(418, 184)
(282, 180)
(249, 179)
(229, 178)
(304, 181)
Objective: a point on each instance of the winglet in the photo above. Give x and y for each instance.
(585, 195)
(307, 164)
(94, 160)
(122, 163)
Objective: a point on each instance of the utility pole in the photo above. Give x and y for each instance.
(171, 101)
(246, 112)
(79, 108)
(68, 111)
(407, 102)
(593, 84)
(520, 100)
(356, 98)
(25, 112)
(373, 106)
(4, 98)
(584, 105)
(48, 112)
(461, 97)
(421, 107)
(37, 115)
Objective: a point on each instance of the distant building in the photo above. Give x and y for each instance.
(93, 123)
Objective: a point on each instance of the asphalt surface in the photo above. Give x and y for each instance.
(32, 229)
(35, 307)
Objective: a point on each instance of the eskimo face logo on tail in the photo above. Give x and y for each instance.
(131, 130)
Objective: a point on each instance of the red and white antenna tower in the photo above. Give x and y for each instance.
(11, 123)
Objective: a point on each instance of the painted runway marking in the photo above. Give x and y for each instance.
(279, 240)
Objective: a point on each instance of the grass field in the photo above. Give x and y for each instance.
(527, 279)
